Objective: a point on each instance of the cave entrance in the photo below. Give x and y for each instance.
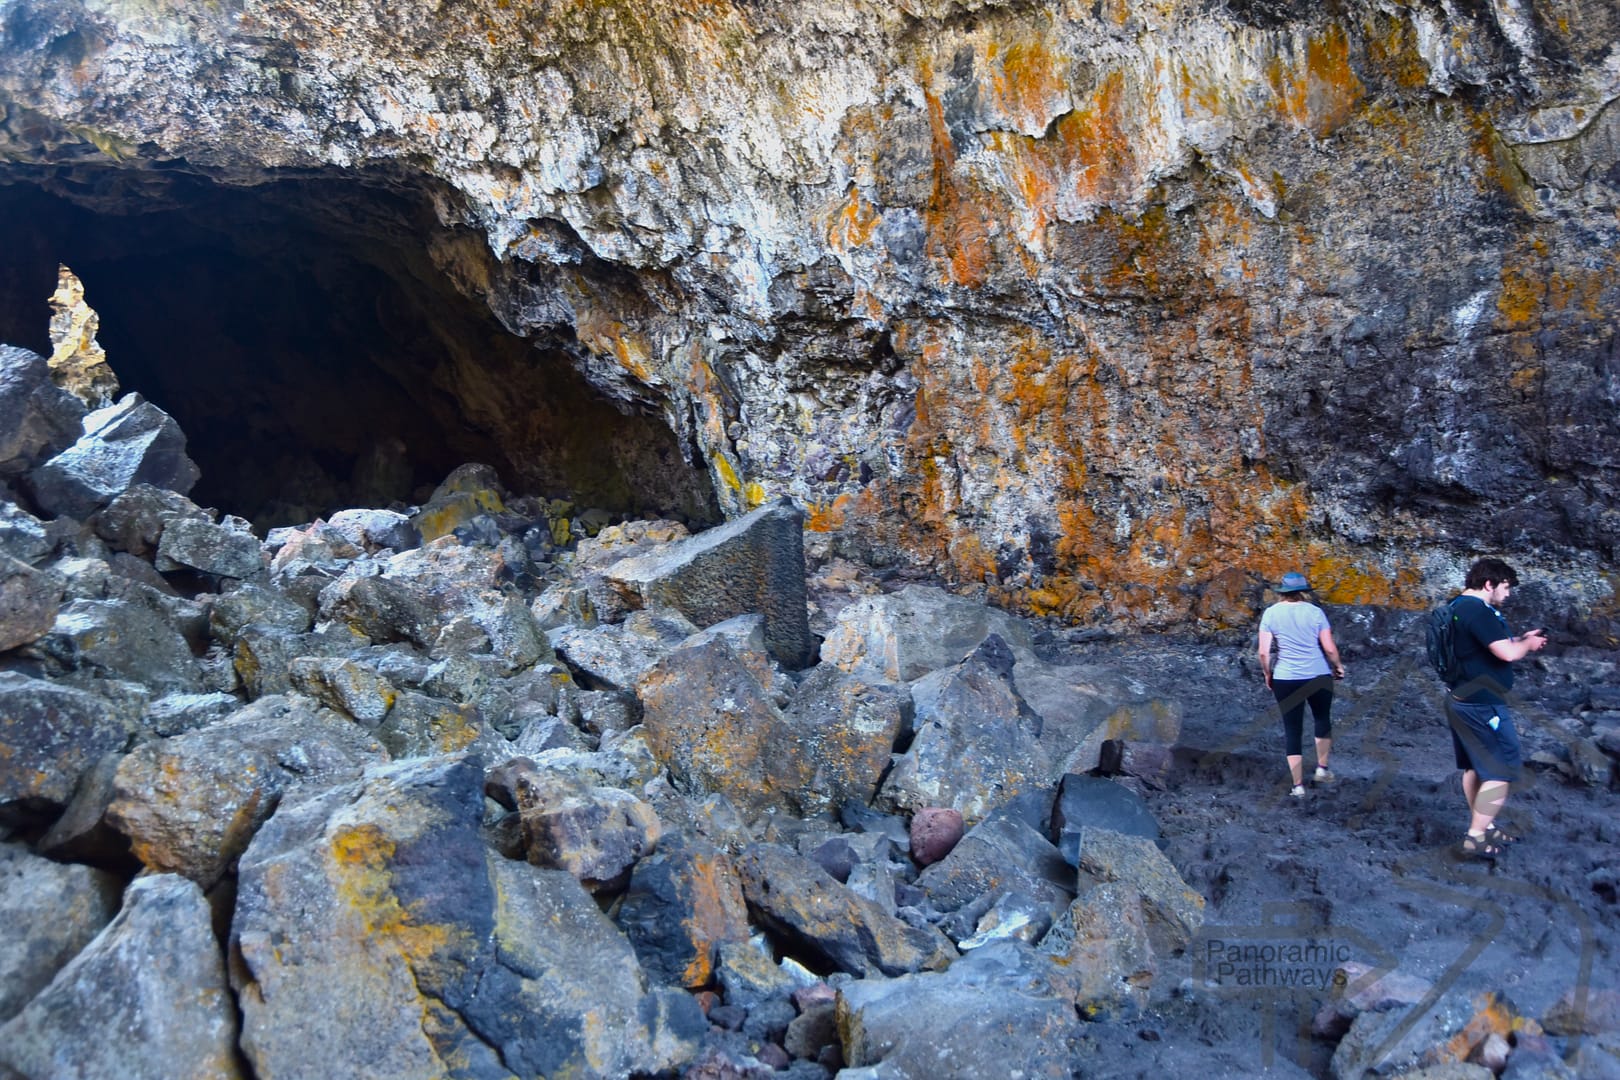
(313, 353)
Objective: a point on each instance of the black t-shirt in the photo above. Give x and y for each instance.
(1486, 678)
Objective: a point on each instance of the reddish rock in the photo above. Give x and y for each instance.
(935, 830)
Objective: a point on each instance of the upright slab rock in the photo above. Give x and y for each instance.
(37, 418)
(146, 1000)
(752, 565)
(378, 937)
(29, 601)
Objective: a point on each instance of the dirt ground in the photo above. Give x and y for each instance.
(1365, 868)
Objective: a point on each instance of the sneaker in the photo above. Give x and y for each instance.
(1324, 776)
(1298, 791)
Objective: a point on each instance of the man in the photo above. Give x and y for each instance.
(1483, 735)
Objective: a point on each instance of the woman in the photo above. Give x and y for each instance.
(1307, 663)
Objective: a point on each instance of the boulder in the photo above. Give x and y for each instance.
(375, 530)
(50, 736)
(111, 639)
(976, 742)
(469, 492)
(350, 687)
(902, 636)
(836, 926)
(594, 832)
(614, 656)
(190, 804)
(998, 1011)
(1106, 958)
(255, 605)
(1093, 802)
(263, 654)
(22, 535)
(226, 550)
(718, 730)
(1584, 1010)
(37, 418)
(1445, 1034)
(752, 565)
(1000, 855)
(146, 999)
(50, 912)
(1173, 911)
(845, 728)
(132, 442)
(684, 901)
(1083, 707)
(178, 713)
(419, 725)
(377, 937)
(29, 601)
(134, 521)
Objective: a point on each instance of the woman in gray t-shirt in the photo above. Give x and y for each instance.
(1307, 662)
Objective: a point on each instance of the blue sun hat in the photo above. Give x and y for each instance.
(1293, 582)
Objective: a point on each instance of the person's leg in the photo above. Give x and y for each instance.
(1470, 783)
(1321, 702)
(1290, 696)
(1487, 803)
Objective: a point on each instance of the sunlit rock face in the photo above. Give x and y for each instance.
(1116, 307)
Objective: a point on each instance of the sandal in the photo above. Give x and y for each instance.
(1498, 836)
(1481, 847)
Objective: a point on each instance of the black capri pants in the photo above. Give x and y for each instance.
(1292, 697)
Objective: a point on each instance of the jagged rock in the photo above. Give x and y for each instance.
(935, 830)
(902, 636)
(190, 804)
(1147, 762)
(316, 550)
(684, 901)
(1365, 989)
(717, 729)
(419, 725)
(1173, 911)
(614, 656)
(469, 492)
(846, 728)
(50, 912)
(1584, 1010)
(81, 833)
(812, 1031)
(146, 999)
(995, 1012)
(1590, 765)
(377, 937)
(29, 601)
(22, 535)
(118, 640)
(999, 855)
(134, 521)
(37, 418)
(375, 530)
(977, 743)
(264, 655)
(594, 832)
(1107, 960)
(227, 550)
(50, 735)
(749, 975)
(1444, 1034)
(352, 688)
(229, 613)
(132, 442)
(78, 363)
(1014, 916)
(1092, 802)
(751, 565)
(838, 926)
(1085, 706)
(176, 714)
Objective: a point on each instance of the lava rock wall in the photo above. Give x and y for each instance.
(1117, 307)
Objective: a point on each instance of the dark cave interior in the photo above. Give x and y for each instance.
(312, 353)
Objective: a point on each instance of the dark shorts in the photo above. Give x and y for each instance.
(1491, 751)
(1292, 696)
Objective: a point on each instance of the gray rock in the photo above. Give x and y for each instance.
(1590, 764)
(902, 636)
(612, 657)
(749, 976)
(846, 728)
(131, 442)
(1001, 854)
(976, 743)
(190, 804)
(50, 912)
(147, 999)
(419, 725)
(1107, 960)
(37, 418)
(1173, 911)
(50, 735)
(29, 601)
(255, 605)
(378, 937)
(119, 640)
(375, 530)
(1093, 802)
(22, 535)
(81, 833)
(1085, 706)
(350, 687)
(999, 1011)
(134, 521)
(1394, 1042)
(840, 928)
(263, 655)
(752, 565)
(176, 714)
(683, 903)
(228, 550)
(594, 832)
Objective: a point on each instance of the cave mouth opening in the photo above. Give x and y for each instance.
(313, 353)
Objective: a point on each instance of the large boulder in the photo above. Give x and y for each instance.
(378, 937)
(999, 1011)
(37, 418)
(613, 656)
(225, 549)
(846, 728)
(29, 601)
(901, 636)
(146, 1000)
(752, 565)
(132, 442)
(1091, 802)
(50, 912)
(50, 736)
(114, 639)
(683, 903)
(976, 743)
(190, 804)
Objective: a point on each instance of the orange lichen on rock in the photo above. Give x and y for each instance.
(1025, 79)
(362, 856)
(1319, 91)
(851, 225)
(959, 227)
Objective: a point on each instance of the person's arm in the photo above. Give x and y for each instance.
(1510, 649)
(1265, 655)
(1331, 651)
